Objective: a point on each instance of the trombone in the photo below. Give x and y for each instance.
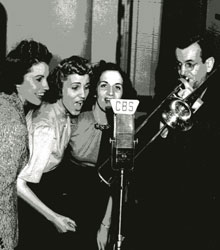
(178, 111)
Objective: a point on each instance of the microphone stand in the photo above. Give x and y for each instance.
(121, 190)
(122, 161)
(121, 203)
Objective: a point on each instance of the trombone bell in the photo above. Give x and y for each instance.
(178, 115)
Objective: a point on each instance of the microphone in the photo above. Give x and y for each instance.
(122, 156)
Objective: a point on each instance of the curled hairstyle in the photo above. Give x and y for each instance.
(68, 66)
(19, 61)
(128, 91)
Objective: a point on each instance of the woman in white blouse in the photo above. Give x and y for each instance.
(49, 133)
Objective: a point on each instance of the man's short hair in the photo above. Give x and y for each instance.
(206, 40)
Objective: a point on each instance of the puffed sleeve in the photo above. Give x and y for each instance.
(13, 151)
(41, 141)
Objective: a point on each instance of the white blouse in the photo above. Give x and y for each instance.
(49, 133)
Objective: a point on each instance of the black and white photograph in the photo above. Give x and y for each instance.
(109, 124)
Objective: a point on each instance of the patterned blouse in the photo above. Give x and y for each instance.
(13, 156)
(49, 134)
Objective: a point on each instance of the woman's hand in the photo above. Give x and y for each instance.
(102, 237)
(63, 224)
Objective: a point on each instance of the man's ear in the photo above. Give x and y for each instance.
(210, 63)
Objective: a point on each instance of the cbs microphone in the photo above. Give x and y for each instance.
(122, 156)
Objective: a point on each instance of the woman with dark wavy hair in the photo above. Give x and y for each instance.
(39, 183)
(23, 82)
(129, 91)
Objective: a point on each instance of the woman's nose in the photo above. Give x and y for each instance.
(45, 84)
(110, 91)
(82, 93)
